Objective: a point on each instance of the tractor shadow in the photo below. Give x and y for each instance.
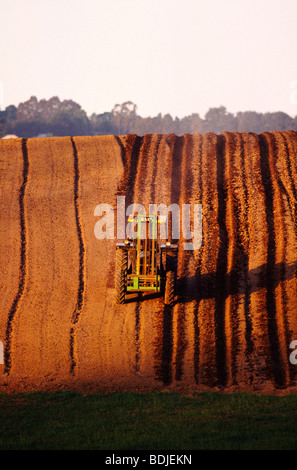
(142, 297)
(221, 284)
(218, 286)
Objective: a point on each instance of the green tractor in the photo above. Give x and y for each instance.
(144, 264)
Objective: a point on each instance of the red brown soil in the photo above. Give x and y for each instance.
(236, 309)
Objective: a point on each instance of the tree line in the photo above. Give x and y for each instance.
(54, 117)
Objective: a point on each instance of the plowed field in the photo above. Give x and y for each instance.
(235, 314)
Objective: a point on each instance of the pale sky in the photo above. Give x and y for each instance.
(167, 56)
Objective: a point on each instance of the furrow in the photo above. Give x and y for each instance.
(163, 319)
(103, 347)
(231, 297)
(246, 216)
(291, 151)
(127, 182)
(11, 315)
(11, 181)
(243, 345)
(222, 263)
(81, 287)
(285, 276)
(236, 286)
(123, 149)
(205, 317)
(154, 160)
(257, 318)
(290, 142)
(135, 195)
(163, 343)
(181, 195)
(271, 199)
(194, 280)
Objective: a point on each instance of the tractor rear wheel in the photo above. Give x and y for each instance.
(170, 279)
(121, 275)
(169, 288)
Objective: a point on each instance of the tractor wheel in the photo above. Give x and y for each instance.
(121, 275)
(169, 288)
(170, 278)
(121, 259)
(120, 287)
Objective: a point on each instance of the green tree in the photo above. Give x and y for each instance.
(29, 128)
(124, 117)
(101, 124)
(191, 124)
(8, 119)
(69, 123)
(219, 120)
(249, 121)
(277, 121)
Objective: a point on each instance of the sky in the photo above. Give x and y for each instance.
(166, 56)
